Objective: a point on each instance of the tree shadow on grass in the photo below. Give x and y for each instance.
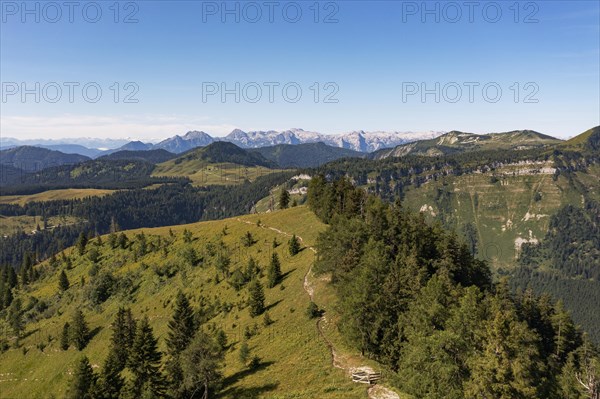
(236, 377)
(246, 392)
(286, 274)
(29, 333)
(272, 305)
(94, 332)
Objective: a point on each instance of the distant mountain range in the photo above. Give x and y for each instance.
(357, 141)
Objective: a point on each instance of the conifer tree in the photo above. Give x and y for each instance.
(15, 318)
(510, 359)
(284, 199)
(182, 326)
(110, 382)
(123, 334)
(294, 245)
(144, 362)
(256, 300)
(65, 337)
(79, 330)
(112, 240)
(252, 269)
(82, 384)
(63, 281)
(82, 241)
(274, 271)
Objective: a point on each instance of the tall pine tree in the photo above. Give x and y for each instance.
(144, 362)
(181, 331)
(182, 326)
(82, 384)
(63, 281)
(274, 271)
(294, 245)
(79, 330)
(256, 299)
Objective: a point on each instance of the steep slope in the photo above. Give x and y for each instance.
(152, 156)
(457, 142)
(589, 140)
(305, 155)
(294, 361)
(33, 159)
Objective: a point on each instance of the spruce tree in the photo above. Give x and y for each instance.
(82, 241)
(123, 333)
(284, 199)
(63, 281)
(181, 331)
(252, 269)
(274, 271)
(111, 382)
(144, 362)
(256, 300)
(294, 245)
(182, 326)
(65, 337)
(15, 318)
(79, 330)
(82, 384)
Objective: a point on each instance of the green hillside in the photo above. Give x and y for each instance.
(295, 361)
(220, 163)
(588, 139)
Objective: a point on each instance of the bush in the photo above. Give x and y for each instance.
(313, 311)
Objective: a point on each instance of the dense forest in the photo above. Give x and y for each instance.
(566, 264)
(99, 173)
(412, 297)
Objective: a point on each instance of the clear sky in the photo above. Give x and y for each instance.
(371, 62)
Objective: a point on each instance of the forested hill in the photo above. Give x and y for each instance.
(305, 155)
(152, 156)
(98, 173)
(34, 159)
(224, 152)
(413, 297)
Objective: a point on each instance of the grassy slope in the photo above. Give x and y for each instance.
(504, 211)
(296, 362)
(51, 195)
(203, 173)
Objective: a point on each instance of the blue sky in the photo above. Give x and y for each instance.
(545, 59)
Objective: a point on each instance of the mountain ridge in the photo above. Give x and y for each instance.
(457, 141)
